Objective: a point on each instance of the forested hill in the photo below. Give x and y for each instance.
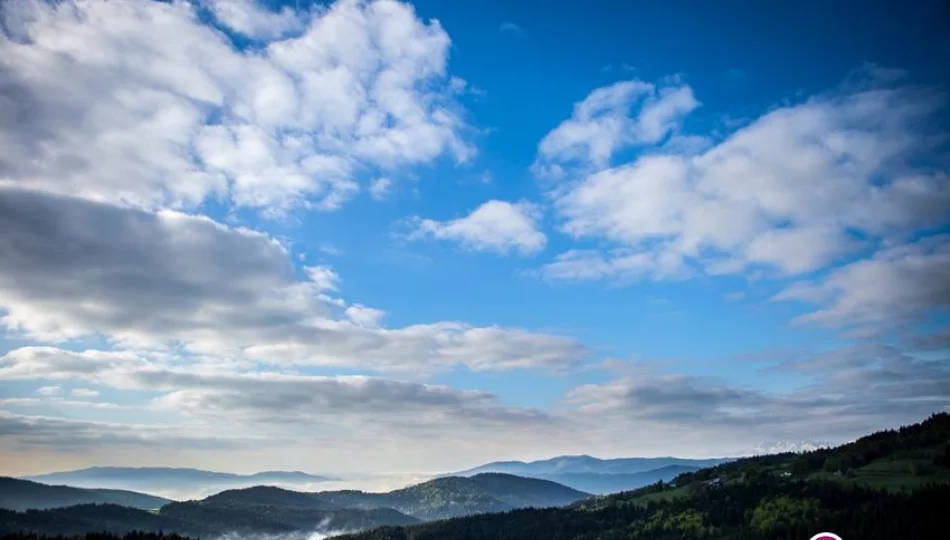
(16, 494)
(204, 521)
(436, 499)
(892, 484)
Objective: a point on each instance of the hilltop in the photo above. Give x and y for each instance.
(456, 496)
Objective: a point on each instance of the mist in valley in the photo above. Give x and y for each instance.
(321, 532)
(194, 491)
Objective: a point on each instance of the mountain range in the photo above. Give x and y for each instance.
(583, 473)
(890, 484)
(273, 510)
(114, 477)
(174, 481)
(595, 475)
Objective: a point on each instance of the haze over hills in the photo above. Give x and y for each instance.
(175, 482)
(595, 475)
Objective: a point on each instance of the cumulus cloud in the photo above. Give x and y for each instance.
(249, 18)
(362, 88)
(75, 268)
(497, 226)
(803, 187)
(603, 123)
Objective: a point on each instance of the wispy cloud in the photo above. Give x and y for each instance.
(511, 28)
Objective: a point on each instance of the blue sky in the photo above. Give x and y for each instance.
(536, 230)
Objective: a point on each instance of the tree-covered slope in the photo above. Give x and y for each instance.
(522, 492)
(273, 519)
(787, 496)
(752, 511)
(196, 519)
(86, 518)
(96, 536)
(268, 496)
(16, 494)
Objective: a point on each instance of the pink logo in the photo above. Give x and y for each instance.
(826, 536)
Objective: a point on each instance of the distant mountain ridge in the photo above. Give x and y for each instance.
(95, 474)
(18, 494)
(589, 464)
(595, 475)
(175, 483)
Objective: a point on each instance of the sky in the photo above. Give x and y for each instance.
(379, 237)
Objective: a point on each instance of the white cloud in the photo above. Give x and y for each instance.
(379, 188)
(602, 123)
(84, 393)
(798, 189)
(75, 268)
(49, 391)
(361, 89)
(494, 226)
(619, 266)
(324, 278)
(897, 285)
(364, 316)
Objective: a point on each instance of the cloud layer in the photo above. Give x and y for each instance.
(138, 324)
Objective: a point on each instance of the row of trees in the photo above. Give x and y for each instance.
(96, 536)
(764, 509)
